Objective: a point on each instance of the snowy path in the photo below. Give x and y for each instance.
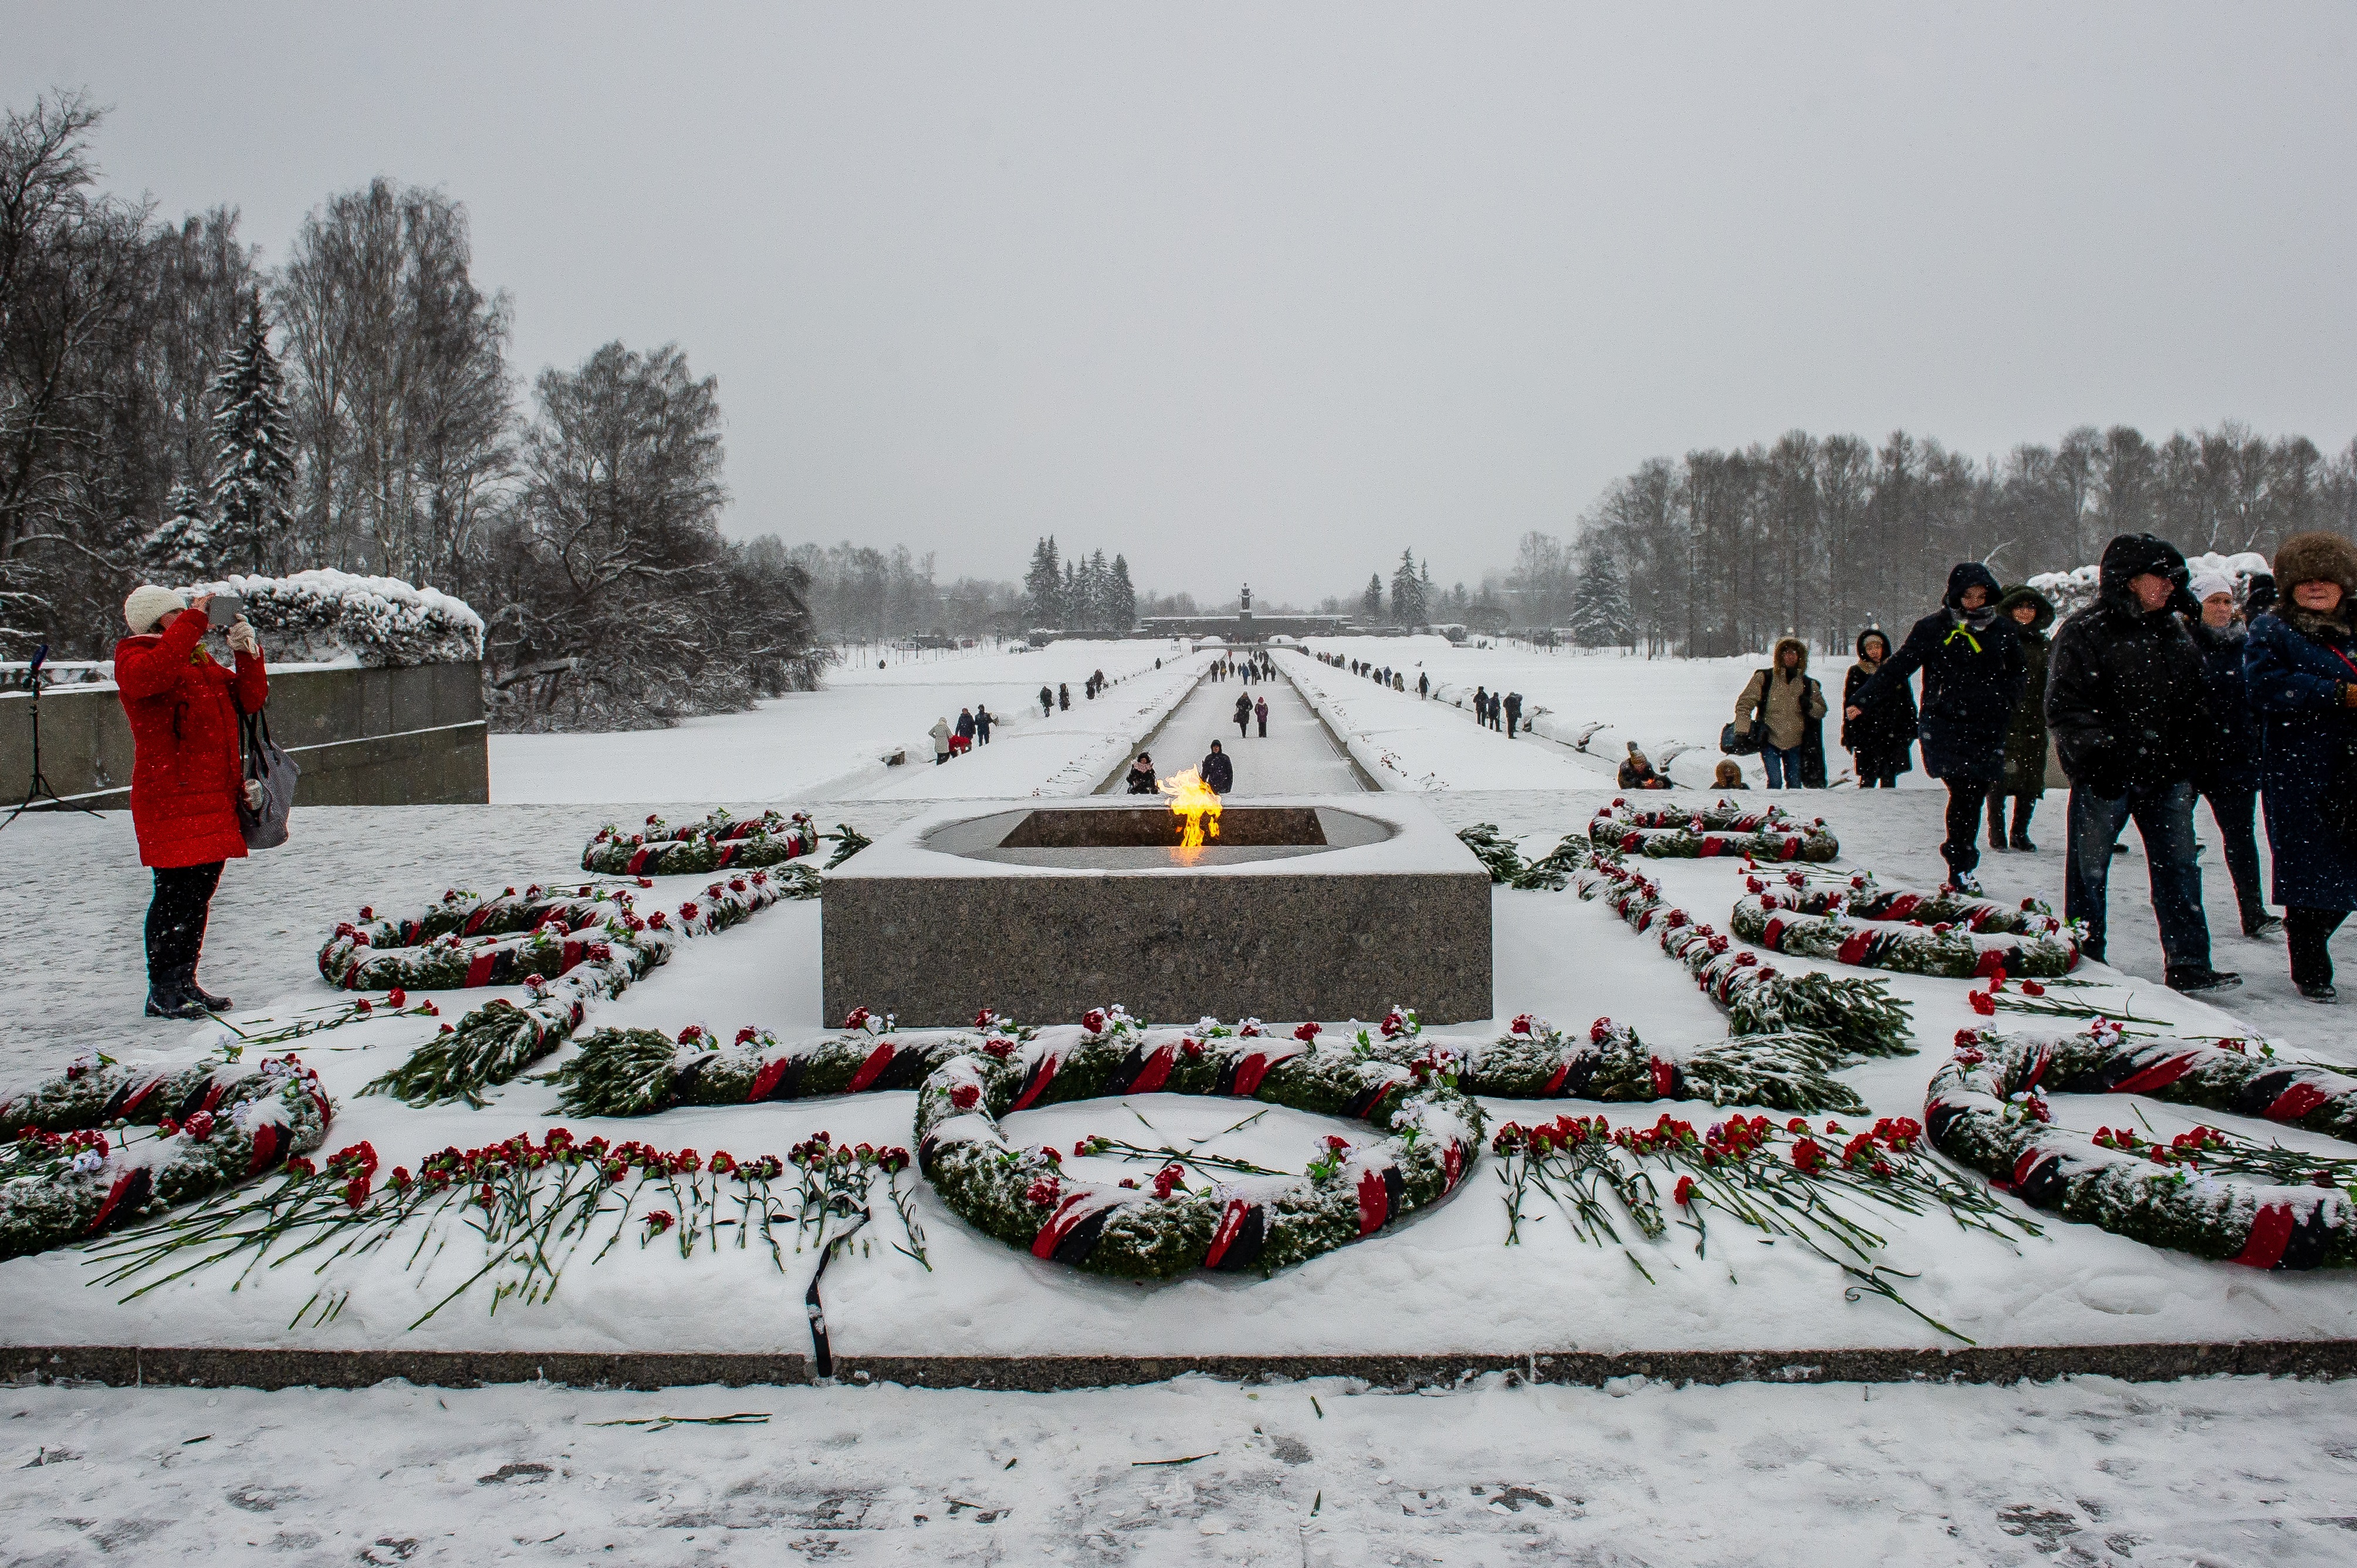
(1296, 758)
(1408, 742)
(2090, 1470)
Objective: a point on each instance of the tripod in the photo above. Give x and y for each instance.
(39, 789)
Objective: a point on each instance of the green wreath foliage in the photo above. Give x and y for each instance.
(719, 842)
(1854, 921)
(1986, 1108)
(1721, 828)
(63, 1179)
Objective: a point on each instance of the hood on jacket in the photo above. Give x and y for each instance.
(2132, 556)
(2026, 595)
(1873, 632)
(1776, 656)
(1967, 575)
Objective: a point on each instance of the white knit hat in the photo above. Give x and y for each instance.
(2209, 583)
(149, 604)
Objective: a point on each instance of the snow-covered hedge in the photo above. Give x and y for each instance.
(322, 616)
(2076, 589)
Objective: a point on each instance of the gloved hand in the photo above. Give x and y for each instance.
(241, 637)
(254, 794)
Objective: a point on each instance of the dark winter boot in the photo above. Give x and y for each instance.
(2022, 806)
(1997, 822)
(196, 993)
(2201, 981)
(169, 995)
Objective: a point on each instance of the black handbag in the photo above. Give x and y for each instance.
(267, 763)
(1749, 742)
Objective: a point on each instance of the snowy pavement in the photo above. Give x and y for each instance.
(2088, 1470)
(1296, 758)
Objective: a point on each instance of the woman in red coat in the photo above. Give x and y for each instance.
(186, 778)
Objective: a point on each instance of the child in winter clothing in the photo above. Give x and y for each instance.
(2025, 739)
(1729, 776)
(1636, 773)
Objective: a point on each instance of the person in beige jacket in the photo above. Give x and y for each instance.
(1791, 707)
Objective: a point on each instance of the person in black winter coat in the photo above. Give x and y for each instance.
(1514, 713)
(1141, 776)
(1260, 716)
(1047, 702)
(1218, 773)
(1973, 675)
(1243, 715)
(2230, 782)
(2128, 704)
(1063, 695)
(982, 724)
(2025, 739)
(1879, 737)
(2300, 666)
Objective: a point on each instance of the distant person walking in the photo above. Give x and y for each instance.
(1973, 675)
(1047, 702)
(1243, 715)
(2301, 666)
(1063, 696)
(1219, 774)
(1424, 686)
(1480, 706)
(982, 724)
(1260, 712)
(1789, 706)
(2129, 705)
(961, 741)
(2025, 737)
(2230, 782)
(1141, 776)
(1879, 737)
(941, 741)
(1514, 713)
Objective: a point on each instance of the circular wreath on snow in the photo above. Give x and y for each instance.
(1857, 922)
(718, 843)
(1721, 828)
(1984, 1108)
(62, 1179)
(1430, 1133)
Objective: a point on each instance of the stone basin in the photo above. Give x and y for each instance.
(1327, 908)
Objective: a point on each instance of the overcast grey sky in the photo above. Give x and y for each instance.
(1278, 291)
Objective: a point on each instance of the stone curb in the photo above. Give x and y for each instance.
(125, 1366)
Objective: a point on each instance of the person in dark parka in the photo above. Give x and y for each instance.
(1880, 737)
(2129, 705)
(2230, 782)
(2025, 738)
(1973, 675)
(1243, 715)
(1047, 702)
(1217, 772)
(1514, 713)
(1141, 776)
(2299, 664)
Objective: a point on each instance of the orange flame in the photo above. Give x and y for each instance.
(1195, 800)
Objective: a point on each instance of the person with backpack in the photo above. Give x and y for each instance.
(2025, 738)
(1514, 713)
(1786, 707)
(186, 778)
(1973, 675)
(2129, 706)
(2301, 664)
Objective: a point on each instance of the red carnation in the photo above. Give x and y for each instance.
(1808, 1154)
(661, 1219)
(1044, 1191)
(1983, 1002)
(396, 999)
(1094, 1020)
(1685, 1191)
(857, 1018)
(965, 1097)
(746, 1035)
(1306, 1032)
(1520, 1026)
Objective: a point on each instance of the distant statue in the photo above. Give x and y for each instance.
(1247, 604)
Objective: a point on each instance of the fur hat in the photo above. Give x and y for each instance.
(149, 604)
(2314, 558)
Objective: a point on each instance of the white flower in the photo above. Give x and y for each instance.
(89, 1160)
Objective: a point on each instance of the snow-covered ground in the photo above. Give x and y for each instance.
(2215, 1471)
(2090, 1470)
(831, 744)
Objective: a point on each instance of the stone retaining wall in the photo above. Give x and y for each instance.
(363, 737)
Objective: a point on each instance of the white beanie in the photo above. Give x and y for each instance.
(2209, 583)
(149, 604)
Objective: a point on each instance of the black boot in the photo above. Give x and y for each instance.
(2022, 806)
(198, 993)
(169, 995)
(1997, 822)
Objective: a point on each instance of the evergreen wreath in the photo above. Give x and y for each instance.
(1534, 1061)
(1856, 921)
(1857, 1016)
(467, 940)
(500, 1038)
(1986, 1108)
(1721, 828)
(720, 841)
(217, 1125)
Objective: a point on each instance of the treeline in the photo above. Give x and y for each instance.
(860, 593)
(1719, 553)
(171, 407)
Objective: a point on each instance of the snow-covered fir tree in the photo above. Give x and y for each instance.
(1043, 586)
(1370, 603)
(182, 548)
(1121, 607)
(1601, 616)
(253, 456)
(1407, 592)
